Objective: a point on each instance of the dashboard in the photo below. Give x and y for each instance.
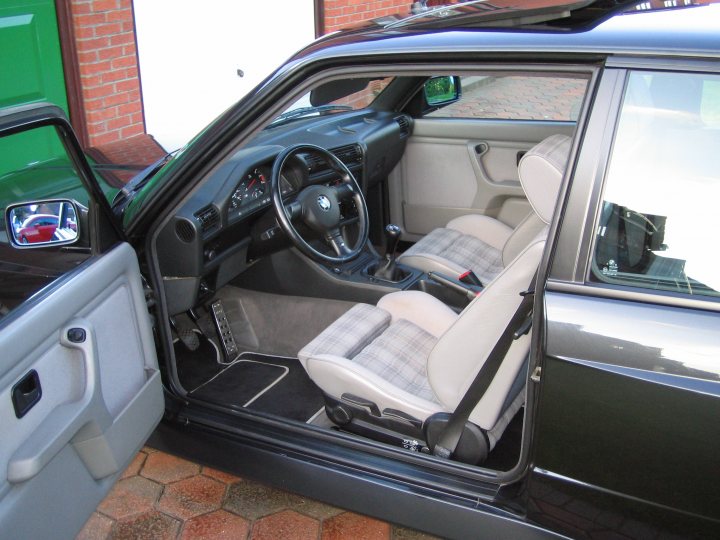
(228, 221)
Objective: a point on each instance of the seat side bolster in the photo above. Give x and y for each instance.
(335, 375)
(484, 228)
(419, 308)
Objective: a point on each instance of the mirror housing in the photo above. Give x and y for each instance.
(441, 91)
(48, 222)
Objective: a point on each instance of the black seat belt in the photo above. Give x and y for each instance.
(518, 326)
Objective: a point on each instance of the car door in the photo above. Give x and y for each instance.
(462, 158)
(626, 436)
(80, 389)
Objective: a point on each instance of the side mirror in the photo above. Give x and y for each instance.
(441, 91)
(43, 223)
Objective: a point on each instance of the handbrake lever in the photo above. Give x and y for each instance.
(470, 291)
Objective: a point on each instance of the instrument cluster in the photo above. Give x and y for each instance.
(253, 191)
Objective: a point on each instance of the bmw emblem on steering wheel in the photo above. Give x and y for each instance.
(324, 203)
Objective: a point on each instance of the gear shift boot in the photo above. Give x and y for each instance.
(388, 269)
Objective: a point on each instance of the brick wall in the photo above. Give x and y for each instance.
(343, 13)
(107, 60)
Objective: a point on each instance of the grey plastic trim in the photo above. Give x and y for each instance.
(571, 245)
(89, 413)
(102, 394)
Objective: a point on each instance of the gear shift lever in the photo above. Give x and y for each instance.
(388, 270)
(392, 239)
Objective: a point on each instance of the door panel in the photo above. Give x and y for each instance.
(88, 338)
(629, 407)
(454, 167)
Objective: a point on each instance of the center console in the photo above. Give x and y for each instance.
(386, 275)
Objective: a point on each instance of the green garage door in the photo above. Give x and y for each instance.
(31, 70)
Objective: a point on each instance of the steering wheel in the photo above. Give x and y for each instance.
(318, 207)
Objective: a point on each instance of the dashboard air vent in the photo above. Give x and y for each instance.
(351, 155)
(404, 124)
(209, 218)
(185, 230)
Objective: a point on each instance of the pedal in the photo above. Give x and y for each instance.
(187, 336)
(190, 339)
(223, 327)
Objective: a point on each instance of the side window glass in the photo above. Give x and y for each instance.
(658, 215)
(521, 96)
(44, 205)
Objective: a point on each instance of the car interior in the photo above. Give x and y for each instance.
(352, 263)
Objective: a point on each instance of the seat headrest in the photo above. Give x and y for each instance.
(541, 171)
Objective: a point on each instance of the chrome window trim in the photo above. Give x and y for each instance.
(663, 64)
(635, 294)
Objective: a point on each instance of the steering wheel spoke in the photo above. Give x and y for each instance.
(345, 191)
(293, 211)
(336, 241)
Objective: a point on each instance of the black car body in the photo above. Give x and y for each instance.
(618, 435)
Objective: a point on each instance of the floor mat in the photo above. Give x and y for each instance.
(271, 384)
(198, 366)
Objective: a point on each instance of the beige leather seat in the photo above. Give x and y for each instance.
(481, 243)
(412, 353)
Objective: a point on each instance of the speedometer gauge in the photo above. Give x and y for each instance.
(254, 185)
(251, 188)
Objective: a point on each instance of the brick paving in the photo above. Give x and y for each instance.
(519, 97)
(161, 496)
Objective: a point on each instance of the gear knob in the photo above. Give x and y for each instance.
(392, 238)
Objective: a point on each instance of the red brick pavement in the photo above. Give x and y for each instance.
(519, 97)
(161, 496)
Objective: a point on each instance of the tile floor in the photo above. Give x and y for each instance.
(161, 496)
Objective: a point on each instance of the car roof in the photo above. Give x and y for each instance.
(510, 13)
(689, 31)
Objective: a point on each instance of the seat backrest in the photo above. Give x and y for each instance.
(463, 348)
(545, 161)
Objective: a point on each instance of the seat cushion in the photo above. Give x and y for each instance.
(399, 356)
(348, 335)
(451, 252)
(377, 354)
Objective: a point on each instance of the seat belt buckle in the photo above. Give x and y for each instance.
(470, 278)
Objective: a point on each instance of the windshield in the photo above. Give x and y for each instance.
(334, 97)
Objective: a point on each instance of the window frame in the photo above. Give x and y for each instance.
(574, 245)
(103, 230)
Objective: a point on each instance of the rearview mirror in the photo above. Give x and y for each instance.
(440, 91)
(42, 223)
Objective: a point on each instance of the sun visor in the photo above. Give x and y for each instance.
(334, 90)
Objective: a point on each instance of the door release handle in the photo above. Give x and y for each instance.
(26, 393)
